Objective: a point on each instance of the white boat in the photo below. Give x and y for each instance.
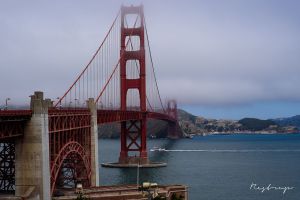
(157, 149)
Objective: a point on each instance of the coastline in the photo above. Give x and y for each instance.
(241, 133)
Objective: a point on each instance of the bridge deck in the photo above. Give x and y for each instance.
(12, 123)
(107, 116)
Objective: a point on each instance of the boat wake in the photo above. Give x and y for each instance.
(224, 150)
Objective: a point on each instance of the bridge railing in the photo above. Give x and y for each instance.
(107, 116)
(15, 113)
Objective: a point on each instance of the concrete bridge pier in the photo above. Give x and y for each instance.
(32, 167)
(94, 143)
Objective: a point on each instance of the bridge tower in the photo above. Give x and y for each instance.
(174, 130)
(172, 108)
(133, 130)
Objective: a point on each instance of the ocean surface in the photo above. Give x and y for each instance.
(218, 167)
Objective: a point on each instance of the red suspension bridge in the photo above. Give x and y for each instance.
(55, 143)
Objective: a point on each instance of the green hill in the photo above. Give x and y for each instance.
(185, 116)
(254, 124)
(288, 121)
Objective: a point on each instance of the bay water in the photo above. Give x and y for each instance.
(217, 167)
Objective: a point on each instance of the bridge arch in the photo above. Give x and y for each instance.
(74, 158)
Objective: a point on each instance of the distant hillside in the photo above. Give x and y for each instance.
(289, 121)
(191, 124)
(185, 116)
(254, 124)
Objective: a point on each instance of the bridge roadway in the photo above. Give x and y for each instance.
(12, 122)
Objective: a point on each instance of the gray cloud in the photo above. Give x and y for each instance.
(205, 52)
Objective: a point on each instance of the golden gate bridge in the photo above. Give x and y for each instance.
(55, 142)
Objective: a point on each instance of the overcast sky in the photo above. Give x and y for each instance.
(218, 58)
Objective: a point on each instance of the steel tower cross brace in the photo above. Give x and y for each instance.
(136, 129)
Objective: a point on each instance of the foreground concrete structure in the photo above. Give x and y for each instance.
(121, 193)
(128, 192)
(94, 143)
(32, 167)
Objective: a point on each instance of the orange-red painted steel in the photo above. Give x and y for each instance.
(108, 116)
(70, 140)
(135, 129)
(12, 123)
